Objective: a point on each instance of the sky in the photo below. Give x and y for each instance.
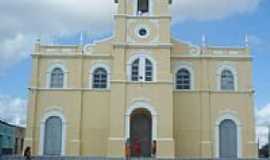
(224, 22)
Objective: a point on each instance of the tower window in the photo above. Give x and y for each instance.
(135, 70)
(143, 6)
(142, 69)
(148, 70)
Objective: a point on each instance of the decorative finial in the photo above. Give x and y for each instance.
(140, 13)
(204, 41)
(81, 38)
(38, 39)
(246, 41)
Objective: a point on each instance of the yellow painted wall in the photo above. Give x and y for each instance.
(186, 120)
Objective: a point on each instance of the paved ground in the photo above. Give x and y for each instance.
(98, 158)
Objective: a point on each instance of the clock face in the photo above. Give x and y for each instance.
(142, 31)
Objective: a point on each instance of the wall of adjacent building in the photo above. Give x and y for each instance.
(8, 136)
(7, 133)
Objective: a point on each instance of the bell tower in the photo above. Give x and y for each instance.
(142, 46)
(143, 21)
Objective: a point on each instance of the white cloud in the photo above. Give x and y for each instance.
(12, 50)
(262, 122)
(263, 115)
(22, 20)
(211, 9)
(13, 110)
(262, 135)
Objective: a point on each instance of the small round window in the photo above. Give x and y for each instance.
(143, 32)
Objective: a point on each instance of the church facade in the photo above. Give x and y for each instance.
(142, 86)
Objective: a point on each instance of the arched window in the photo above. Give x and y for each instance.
(148, 70)
(53, 136)
(135, 70)
(100, 78)
(143, 6)
(183, 79)
(227, 80)
(57, 78)
(141, 69)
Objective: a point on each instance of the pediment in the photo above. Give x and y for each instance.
(184, 48)
(103, 46)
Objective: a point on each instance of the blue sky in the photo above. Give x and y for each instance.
(231, 31)
(224, 22)
(227, 31)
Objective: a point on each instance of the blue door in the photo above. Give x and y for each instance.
(228, 139)
(53, 136)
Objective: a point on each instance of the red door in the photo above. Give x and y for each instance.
(141, 133)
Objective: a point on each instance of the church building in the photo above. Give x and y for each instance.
(142, 86)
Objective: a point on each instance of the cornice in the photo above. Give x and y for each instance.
(68, 89)
(142, 17)
(223, 57)
(215, 91)
(94, 56)
(138, 46)
(143, 45)
(141, 83)
(132, 83)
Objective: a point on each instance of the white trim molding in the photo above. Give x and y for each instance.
(141, 104)
(142, 58)
(142, 26)
(230, 115)
(188, 66)
(57, 112)
(92, 70)
(220, 69)
(49, 72)
(87, 48)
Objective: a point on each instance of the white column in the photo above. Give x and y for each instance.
(127, 125)
(154, 127)
(41, 137)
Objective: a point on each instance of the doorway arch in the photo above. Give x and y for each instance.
(228, 139)
(228, 120)
(53, 136)
(150, 115)
(141, 133)
(58, 115)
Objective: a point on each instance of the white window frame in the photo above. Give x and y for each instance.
(142, 59)
(49, 73)
(52, 113)
(141, 26)
(189, 67)
(151, 8)
(108, 70)
(229, 116)
(231, 68)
